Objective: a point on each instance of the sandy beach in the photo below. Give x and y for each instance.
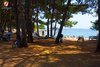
(74, 38)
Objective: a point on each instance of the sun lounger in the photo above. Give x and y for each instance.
(93, 37)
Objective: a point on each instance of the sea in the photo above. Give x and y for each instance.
(79, 32)
(72, 32)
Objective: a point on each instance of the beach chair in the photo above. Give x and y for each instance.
(93, 37)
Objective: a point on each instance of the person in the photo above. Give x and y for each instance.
(80, 39)
(7, 36)
(42, 33)
(61, 38)
(16, 44)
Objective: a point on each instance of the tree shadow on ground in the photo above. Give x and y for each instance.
(67, 54)
(53, 60)
(44, 42)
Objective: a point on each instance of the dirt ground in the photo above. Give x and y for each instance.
(44, 53)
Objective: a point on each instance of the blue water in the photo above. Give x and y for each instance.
(79, 32)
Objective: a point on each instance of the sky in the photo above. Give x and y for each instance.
(84, 21)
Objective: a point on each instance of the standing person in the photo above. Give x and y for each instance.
(80, 39)
(42, 33)
(61, 38)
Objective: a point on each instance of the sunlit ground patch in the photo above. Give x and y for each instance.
(71, 46)
(53, 59)
(1, 61)
(69, 52)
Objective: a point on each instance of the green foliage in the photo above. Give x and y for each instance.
(41, 22)
(41, 26)
(44, 6)
(70, 23)
(95, 25)
(78, 8)
(35, 27)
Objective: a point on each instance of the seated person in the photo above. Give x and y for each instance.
(16, 43)
(7, 36)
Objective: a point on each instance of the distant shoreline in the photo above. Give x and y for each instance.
(74, 38)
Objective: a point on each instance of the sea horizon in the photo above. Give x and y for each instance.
(76, 32)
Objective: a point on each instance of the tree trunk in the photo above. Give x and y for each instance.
(10, 23)
(52, 17)
(31, 13)
(24, 37)
(62, 23)
(22, 23)
(17, 23)
(48, 22)
(18, 38)
(28, 21)
(37, 18)
(48, 28)
(37, 23)
(55, 28)
(0, 19)
(98, 45)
